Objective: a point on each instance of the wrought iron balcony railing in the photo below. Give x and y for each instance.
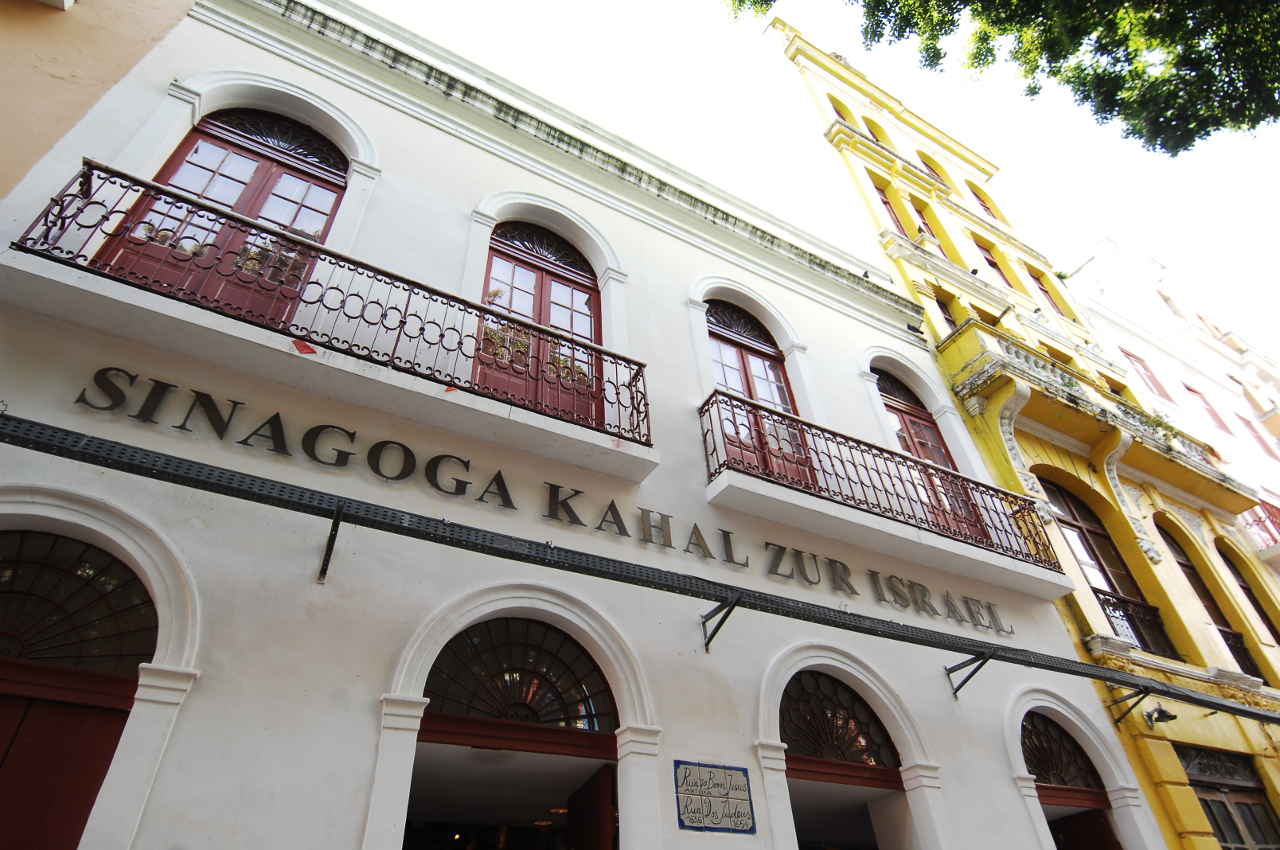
(1240, 652)
(747, 436)
(162, 240)
(1263, 524)
(1138, 623)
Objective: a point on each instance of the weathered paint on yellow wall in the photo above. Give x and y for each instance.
(58, 64)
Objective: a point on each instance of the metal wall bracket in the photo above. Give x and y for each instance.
(980, 660)
(1137, 697)
(328, 547)
(724, 609)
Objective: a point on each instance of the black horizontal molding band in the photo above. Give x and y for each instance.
(109, 454)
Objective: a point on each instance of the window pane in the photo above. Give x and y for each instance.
(290, 187)
(320, 198)
(239, 167)
(278, 211)
(309, 222)
(191, 178)
(208, 154)
(224, 190)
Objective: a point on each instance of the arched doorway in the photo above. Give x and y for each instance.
(842, 766)
(517, 748)
(539, 277)
(75, 623)
(259, 166)
(1071, 792)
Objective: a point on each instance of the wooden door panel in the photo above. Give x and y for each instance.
(1084, 831)
(52, 771)
(591, 822)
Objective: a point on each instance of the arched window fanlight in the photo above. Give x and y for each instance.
(69, 604)
(544, 244)
(1053, 756)
(521, 670)
(282, 136)
(821, 717)
(732, 320)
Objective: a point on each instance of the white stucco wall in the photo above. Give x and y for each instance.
(277, 742)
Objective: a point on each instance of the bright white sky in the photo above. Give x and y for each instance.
(1065, 182)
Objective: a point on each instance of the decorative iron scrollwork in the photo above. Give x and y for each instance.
(524, 670)
(1053, 756)
(70, 604)
(721, 315)
(283, 134)
(540, 242)
(824, 718)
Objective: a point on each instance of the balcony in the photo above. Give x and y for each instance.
(1263, 525)
(1138, 623)
(780, 467)
(157, 239)
(983, 359)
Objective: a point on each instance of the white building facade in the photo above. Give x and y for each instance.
(405, 429)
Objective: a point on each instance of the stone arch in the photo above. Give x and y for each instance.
(937, 400)
(784, 333)
(536, 209)
(858, 675)
(617, 659)
(213, 90)
(137, 544)
(1131, 818)
(926, 823)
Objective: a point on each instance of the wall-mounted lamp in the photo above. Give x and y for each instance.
(1159, 714)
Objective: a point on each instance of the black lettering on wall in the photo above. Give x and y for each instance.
(212, 414)
(898, 591)
(498, 486)
(109, 388)
(920, 598)
(697, 543)
(799, 556)
(974, 608)
(273, 430)
(996, 623)
(952, 609)
(459, 486)
(612, 517)
(311, 439)
(648, 527)
(408, 461)
(155, 397)
(839, 572)
(876, 586)
(557, 504)
(775, 553)
(726, 542)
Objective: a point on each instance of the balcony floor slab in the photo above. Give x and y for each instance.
(765, 499)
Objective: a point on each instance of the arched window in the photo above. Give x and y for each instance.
(259, 165)
(521, 670)
(1071, 792)
(1107, 573)
(824, 718)
(931, 165)
(1233, 639)
(878, 133)
(1247, 590)
(75, 623)
(984, 201)
(918, 432)
(842, 111)
(525, 687)
(747, 361)
(540, 277)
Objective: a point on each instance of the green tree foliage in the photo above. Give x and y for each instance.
(1171, 71)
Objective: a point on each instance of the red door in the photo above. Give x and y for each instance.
(203, 256)
(944, 499)
(55, 751)
(771, 445)
(514, 361)
(592, 820)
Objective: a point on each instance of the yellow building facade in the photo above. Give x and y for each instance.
(1143, 520)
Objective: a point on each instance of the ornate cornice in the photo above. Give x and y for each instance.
(899, 247)
(363, 46)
